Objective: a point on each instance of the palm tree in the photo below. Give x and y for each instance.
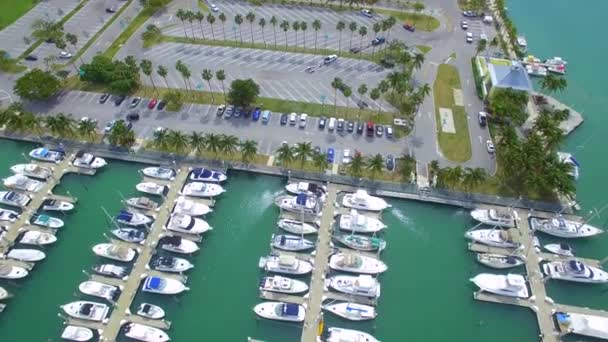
(185, 72)
(303, 151)
(347, 92)
(182, 15)
(454, 175)
(222, 18)
(61, 45)
(285, 26)
(160, 140)
(473, 177)
(197, 142)
(433, 169)
(362, 33)
(262, 24)
(418, 60)
(228, 143)
(408, 163)
(207, 76)
(316, 25)
(177, 141)
(362, 90)
(296, 26)
(355, 168)
(146, 68)
(377, 27)
(121, 135)
(390, 22)
(190, 16)
(249, 148)
(238, 19)
(375, 95)
(273, 22)
(73, 40)
(319, 160)
(353, 28)
(212, 142)
(375, 165)
(303, 27)
(200, 17)
(340, 26)
(211, 21)
(162, 72)
(336, 84)
(552, 83)
(221, 76)
(284, 155)
(60, 125)
(250, 18)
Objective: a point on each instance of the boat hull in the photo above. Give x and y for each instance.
(145, 333)
(268, 310)
(352, 311)
(28, 255)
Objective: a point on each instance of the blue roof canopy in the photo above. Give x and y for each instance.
(290, 309)
(301, 199)
(153, 283)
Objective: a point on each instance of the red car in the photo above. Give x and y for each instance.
(409, 27)
(152, 104)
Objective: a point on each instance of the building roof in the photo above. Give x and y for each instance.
(509, 74)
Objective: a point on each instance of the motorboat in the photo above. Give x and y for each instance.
(145, 333)
(25, 254)
(14, 199)
(143, 203)
(12, 272)
(178, 244)
(361, 242)
(132, 219)
(510, 285)
(205, 175)
(90, 311)
(152, 188)
(76, 333)
(159, 172)
(559, 69)
(187, 224)
(300, 203)
(352, 311)
(355, 263)
(110, 270)
(310, 189)
(114, 252)
(492, 237)
(88, 161)
(163, 285)
(46, 221)
(3, 293)
(568, 158)
(98, 289)
(522, 43)
(498, 260)
(285, 264)
(363, 285)
(21, 182)
(56, 205)
(8, 215)
(280, 311)
(291, 243)
(535, 69)
(190, 207)
(150, 311)
(582, 324)
(341, 335)
(282, 285)
(296, 227)
(47, 155)
(361, 200)
(560, 227)
(171, 264)
(357, 223)
(32, 170)
(129, 234)
(200, 189)
(492, 217)
(574, 270)
(560, 249)
(556, 61)
(34, 237)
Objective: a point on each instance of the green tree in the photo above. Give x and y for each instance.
(375, 95)
(418, 7)
(319, 160)
(303, 151)
(362, 90)
(238, 20)
(222, 18)
(197, 142)
(340, 26)
(481, 46)
(37, 85)
(212, 143)
(352, 26)
(221, 76)
(146, 67)
(473, 177)
(249, 148)
(303, 27)
(161, 140)
(296, 27)
(433, 169)
(86, 128)
(418, 60)
(185, 72)
(162, 72)
(182, 15)
(336, 84)
(377, 27)
(355, 168)
(250, 18)
(121, 135)
(274, 22)
(285, 155)
(362, 33)
(316, 25)
(390, 22)
(375, 165)
(60, 125)
(285, 26)
(200, 16)
(229, 144)
(262, 24)
(407, 167)
(346, 92)
(211, 21)
(242, 93)
(177, 141)
(191, 16)
(552, 83)
(207, 76)
(73, 40)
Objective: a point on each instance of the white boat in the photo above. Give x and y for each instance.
(101, 290)
(522, 43)
(536, 70)
(129, 234)
(357, 223)
(90, 311)
(296, 227)
(310, 189)
(280, 311)
(510, 285)
(8, 215)
(200, 189)
(492, 237)
(88, 161)
(46, 221)
(12, 272)
(559, 69)
(560, 249)
(32, 170)
(14, 199)
(145, 333)
(152, 188)
(132, 219)
(583, 324)
(206, 175)
(352, 311)
(110, 270)
(150, 311)
(363, 285)
(187, 224)
(560, 227)
(189, 207)
(292, 243)
(574, 270)
(171, 264)
(34, 237)
(114, 252)
(493, 217)
(301, 203)
(361, 200)
(285, 264)
(356, 263)
(282, 285)
(21, 182)
(47, 155)
(499, 261)
(3, 293)
(361, 242)
(349, 335)
(177, 244)
(163, 285)
(568, 158)
(75, 333)
(159, 172)
(143, 203)
(27, 255)
(556, 61)
(56, 205)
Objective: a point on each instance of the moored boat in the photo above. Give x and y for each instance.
(163, 285)
(47, 155)
(132, 219)
(282, 285)
(310, 189)
(145, 333)
(568, 158)
(34, 237)
(363, 285)
(499, 261)
(205, 175)
(560, 249)
(56, 205)
(292, 243)
(357, 223)
(76, 333)
(300, 203)
(27, 255)
(12, 272)
(361, 242)
(349, 335)
(492, 237)
(88, 161)
(178, 244)
(361, 200)
(190, 207)
(286, 264)
(129, 234)
(582, 324)
(46, 221)
(356, 263)
(561, 227)
(32, 170)
(187, 224)
(150, 311)
(143, 203)
(171, 264)
(576, 271)
(296, 227)
(98, 289)
(90, 311)
(493, 217)
(14, 199)
(510, 285)
(159, 172)
(201, 189)
(21, 182)
(152, 188)
(352, 311)
(280, 311)
(8, 215)
(111, 270)
(114, 252)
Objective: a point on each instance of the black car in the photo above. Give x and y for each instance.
(31, 58)
(362, 104)
(238, 112)
(322, 121)
(104, 97)
(284, 119)
(133, 116)
(379, 130)
(360, 127)
(378, 41)
(390, 162)
(161, 105)
(340, 127)
(111, 9)
(119, 100)
(355, 49)
(350, 126)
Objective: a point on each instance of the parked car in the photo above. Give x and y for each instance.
(293, 117)
(65, 55)
(213, 7)
(469, 14)
(109, 126)
(379, 130)
(331, 124)
(346, 156)
(362, 104)
(483, 119)
(330, 59)
(266, 116)
(317, 150)
(257, 112)
(135, 101)
(360, 127)
(104, 97)
(370, 129)
(389, 131)
(31, 58)
(303, 118)
(322, 121)
(310, 69)
(410, 27)
(161, 105)
(159, 130)
(355, 49)
(284, 119)
(152, 103)
(340, 127)
(483, 36)
(220, 110)
(228, 112)
(238, 111)
(111, 9)
(330, 155)
(469, 37)
(378, 40)
(490, 146)
(367, 12)
(464, 25)
(133, 116)
(119, 99)
(350, 126)
(390, 163)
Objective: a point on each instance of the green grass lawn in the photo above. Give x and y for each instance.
(424, 48)
(422, 22)
(11, 10)
(455, 146)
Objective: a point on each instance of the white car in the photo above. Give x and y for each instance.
(65, 55)
(303, 118)
(213, 8)
(330, 59)
(490, 146)
(109, 126)
(87, 119)
(346, 156)
(389, 131)
(293, 117)
(483, 36)
(160, 130)
(469, 37)
(367, 12)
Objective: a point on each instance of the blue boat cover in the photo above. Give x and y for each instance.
(153, 283)
(290, 309)
(202, 173)
(216, 175)
(562, 317)
(43, 151)
(124, 216)
(301, 199)
(576, 266)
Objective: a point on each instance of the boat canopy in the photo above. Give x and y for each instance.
(301, 199)
(576, 266)
(124, 216)
(146, 308)
(43, 152)
(202, 172)
(154, 283)
(565, 246)
(168, 262)
(173, 240)
(290, 309)
(86, 309)
(43, 219)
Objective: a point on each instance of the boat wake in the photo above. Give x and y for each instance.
(406, 221)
